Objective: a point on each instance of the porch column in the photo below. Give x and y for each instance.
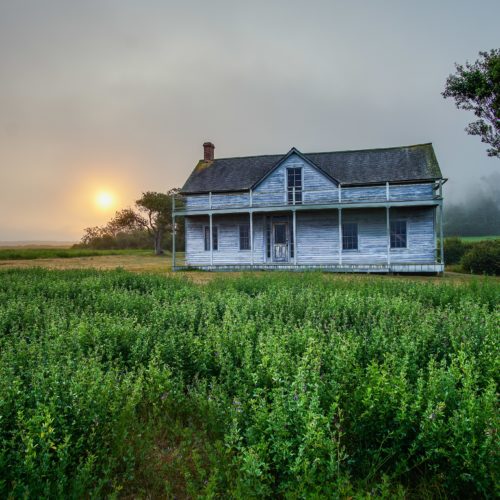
(294, 237)
(251, 238)
(211, 242)
(173, 232)
(441, 232)
(435, 222)
(173, 242)
(388, 229)
(340, 236)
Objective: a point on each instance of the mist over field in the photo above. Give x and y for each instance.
(477, 213)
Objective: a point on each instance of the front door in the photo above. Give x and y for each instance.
(280, 242)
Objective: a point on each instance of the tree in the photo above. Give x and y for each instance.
(157, 218)
(153, 213)
(476, 87)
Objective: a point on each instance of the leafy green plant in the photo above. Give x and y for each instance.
(274, 385)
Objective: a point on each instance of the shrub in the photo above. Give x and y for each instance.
(454, 250)
(483, 258)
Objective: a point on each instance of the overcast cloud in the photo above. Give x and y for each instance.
(121, 94)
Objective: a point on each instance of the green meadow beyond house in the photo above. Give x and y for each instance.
(372, 210)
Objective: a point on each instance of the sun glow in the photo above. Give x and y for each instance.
(104, 200)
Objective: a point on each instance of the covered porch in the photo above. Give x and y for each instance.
(298, 239)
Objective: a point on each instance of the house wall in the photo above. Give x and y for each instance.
(318, 237)
(272, 190)
(229, 240)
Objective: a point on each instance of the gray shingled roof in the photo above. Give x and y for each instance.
(366, 166)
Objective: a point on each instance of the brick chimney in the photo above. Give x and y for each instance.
(208, 151)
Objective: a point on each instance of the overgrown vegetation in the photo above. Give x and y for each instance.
(478, 257)
(277, 385)
(482, 258)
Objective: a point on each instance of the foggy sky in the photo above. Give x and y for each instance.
(120, 95)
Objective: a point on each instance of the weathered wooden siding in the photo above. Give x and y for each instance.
(318, 237)
(197, 202)
(316, 186)
(411, 192)
(229, 238)
(317, 189)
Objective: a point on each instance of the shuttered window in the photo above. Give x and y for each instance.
(349, 236)
(245, 237)
(398, 234)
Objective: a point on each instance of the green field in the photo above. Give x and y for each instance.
(19, 253)
(255, 386)
(479, 238)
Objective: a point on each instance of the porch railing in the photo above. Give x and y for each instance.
(293, 197)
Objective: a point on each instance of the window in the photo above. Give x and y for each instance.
(398, 234)
(215, 238)
(294, 183)
(350, 236)
(245, 237)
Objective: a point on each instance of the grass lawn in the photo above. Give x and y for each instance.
(479, 238)
(143, 261)
(24, 253)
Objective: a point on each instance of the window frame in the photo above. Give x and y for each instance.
(393, 235)
(215, 238)
(289, 189)
(355, 238)
(247, 227)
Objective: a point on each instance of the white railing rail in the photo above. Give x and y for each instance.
(274, 198)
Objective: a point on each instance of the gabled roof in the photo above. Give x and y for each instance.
(365, 166)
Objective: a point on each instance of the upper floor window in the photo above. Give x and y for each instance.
(349, 236)
(215, 238)
(398, 234)
(245, 237)
(294, 184)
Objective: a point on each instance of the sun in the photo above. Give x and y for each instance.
(104, 199)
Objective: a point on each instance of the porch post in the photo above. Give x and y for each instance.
(388, 229)
(435, 222)
(340, 236)
(251, 238)
(211, 242)
(173, 232)
(173, 242)
(441, 232)
(294, 237)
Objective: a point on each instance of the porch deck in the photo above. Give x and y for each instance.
(332, 268)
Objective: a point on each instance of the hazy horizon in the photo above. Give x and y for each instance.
(118, 96)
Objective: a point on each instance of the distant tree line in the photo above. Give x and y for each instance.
(147, 225)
